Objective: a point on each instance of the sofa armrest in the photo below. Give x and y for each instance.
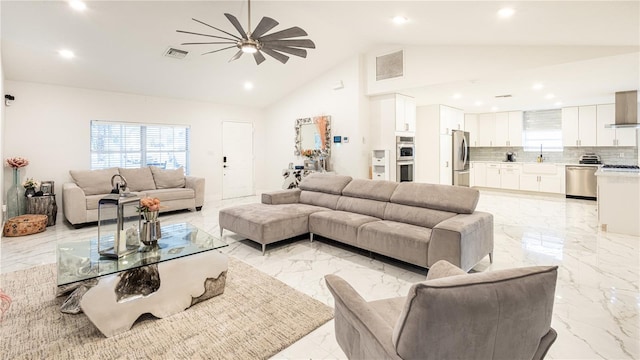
(360, 330)
(443, 269)
(289, 196)
(74, 203)
(462, 240)
(197, 184)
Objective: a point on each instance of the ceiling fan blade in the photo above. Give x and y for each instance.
(215, 51)
(236, 24)
(258, 57)
(288, 50)
(264, 25)
(283, 34)
(213, 27)
(303, 43)
(237, 55)
(213, 36)
(276, 55)
(209, 43)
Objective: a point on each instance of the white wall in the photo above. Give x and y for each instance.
(348, 108)
(49, 125)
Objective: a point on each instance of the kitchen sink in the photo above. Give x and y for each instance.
(538, 169)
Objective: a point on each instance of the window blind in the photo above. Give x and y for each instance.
(130, 145)
(542, 128)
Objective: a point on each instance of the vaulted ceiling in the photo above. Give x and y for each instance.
(119, 45)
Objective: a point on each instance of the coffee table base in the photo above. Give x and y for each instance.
(161, 289)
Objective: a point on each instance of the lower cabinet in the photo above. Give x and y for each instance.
(478, 174)
(510, 176)
(547, 178)
(536, 177)
(493, 176)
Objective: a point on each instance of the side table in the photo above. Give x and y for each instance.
(45, 205)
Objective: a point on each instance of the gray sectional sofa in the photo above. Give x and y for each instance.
(175, 190)
(412, 222)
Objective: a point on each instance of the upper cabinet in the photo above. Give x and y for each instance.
(405, 116)
(486, 129)
(471, 126)
(508, 129)
(612, 137)
(450, 119)
(579, 126)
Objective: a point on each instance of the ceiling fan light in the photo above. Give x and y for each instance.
(249, 48)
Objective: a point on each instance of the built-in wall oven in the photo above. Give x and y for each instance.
(405, 148)
(405, 158)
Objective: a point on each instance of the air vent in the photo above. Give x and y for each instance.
(503, 96)
(175, 53)
(390, 66)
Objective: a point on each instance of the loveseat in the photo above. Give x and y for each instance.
(412, 222)
(175, 190)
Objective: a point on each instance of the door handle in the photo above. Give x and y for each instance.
(224, 166)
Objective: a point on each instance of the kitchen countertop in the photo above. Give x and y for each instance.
(532, 162)
(626, 174)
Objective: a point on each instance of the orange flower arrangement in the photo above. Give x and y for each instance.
(149, 204)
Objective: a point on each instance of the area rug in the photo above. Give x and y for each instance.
(255, 318)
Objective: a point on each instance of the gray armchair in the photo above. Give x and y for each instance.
(503, 314)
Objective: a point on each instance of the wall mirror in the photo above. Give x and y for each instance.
(314, 134)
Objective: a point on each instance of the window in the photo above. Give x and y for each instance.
(130, 145)
(542, 128)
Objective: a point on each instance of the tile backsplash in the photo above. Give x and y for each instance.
(608, 155)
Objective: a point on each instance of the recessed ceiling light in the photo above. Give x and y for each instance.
(67, 54)
(456, 96)
(248, 85)
(506, 12)
(78, 5)
(495, 108)
(399, 20)
(479, 103)
(558, 103)
(537, 86)
(549, 96)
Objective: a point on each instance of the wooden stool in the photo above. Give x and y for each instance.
(25, 225)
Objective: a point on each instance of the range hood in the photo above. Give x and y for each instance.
(626, 111)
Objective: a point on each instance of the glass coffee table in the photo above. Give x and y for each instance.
(187, 267)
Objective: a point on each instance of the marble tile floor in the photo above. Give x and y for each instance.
(596, 313)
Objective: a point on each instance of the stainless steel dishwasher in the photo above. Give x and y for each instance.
(581, 182)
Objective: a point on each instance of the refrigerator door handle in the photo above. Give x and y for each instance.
(464, 151)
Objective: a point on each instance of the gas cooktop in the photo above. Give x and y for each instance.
(627, 168)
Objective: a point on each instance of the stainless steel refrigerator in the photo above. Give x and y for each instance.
(460, 159)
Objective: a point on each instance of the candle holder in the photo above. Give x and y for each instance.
(113, 231)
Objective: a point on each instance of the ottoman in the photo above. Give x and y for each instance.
(267, 224)
(25, 225)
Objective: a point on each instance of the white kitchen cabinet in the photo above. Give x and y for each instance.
(380, 165)
(516, 119)
(471, 126)
(510, 176)
(486, 129)
(493, 175)
(450, 119)
(446, 174)
(478, 174)
(606, 114)
(405, 113)
(579, 126)
(547, 178)
(501, 135)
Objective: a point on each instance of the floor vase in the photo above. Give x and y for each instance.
(16, 201)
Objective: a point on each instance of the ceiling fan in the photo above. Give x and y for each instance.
(256, 42)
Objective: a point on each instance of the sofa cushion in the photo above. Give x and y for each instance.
(362, 206)
(138, 179)
(370, 189)
(171, 194)
(268, 223)
(94, 182)
(338, 225)
(92, 200)
(501, 304)
(416, 215)
(167, 179)
(319, 199)
(401, 241)
(457, 199)
(325, 183)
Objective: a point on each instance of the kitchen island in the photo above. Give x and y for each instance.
(619, 201)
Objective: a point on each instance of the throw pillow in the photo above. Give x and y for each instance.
(167, 179)
(138, 179)
(94, 182)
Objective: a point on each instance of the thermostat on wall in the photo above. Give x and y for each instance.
(337, 139)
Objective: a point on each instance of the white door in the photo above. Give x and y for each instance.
(237, 159)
